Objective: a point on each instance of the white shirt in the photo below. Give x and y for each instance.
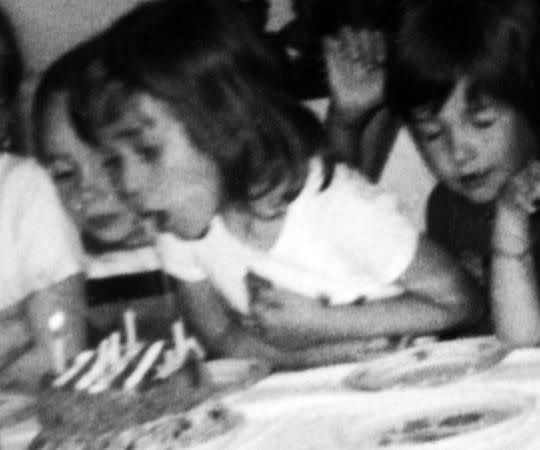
(345, 242)
(406, 174)
(39, 245)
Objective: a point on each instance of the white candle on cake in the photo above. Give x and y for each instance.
(56, 326)
(179, 337)
(130, 328)
(114, 349)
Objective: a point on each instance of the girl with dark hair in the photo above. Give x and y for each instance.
(464, 75)
(40, 264)
(196, 130)
(122, 265)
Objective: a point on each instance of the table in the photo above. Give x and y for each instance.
(268, 403)
(287, 392)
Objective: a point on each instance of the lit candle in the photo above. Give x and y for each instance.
(179, 336)
(114, 349)
(194, 345)
(130, 328)
(56, 325)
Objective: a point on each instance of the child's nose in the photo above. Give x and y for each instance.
(95, 186)
(463, 147)
(132, 183)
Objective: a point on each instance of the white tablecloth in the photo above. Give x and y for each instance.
(283, 394)
(286, 396)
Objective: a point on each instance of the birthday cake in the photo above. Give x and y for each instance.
(129, 395)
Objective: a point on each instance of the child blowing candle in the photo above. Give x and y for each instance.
(234, 165)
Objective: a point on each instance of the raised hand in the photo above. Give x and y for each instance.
(355, 67)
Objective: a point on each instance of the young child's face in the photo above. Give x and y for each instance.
(84, 185)
(160, 172)
(473, 148)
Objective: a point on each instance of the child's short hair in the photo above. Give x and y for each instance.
(493, 44)
(11, 63)
(58, 79)
(218, 79)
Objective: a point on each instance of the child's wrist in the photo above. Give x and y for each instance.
(509, 253)
(511, 231)
(350, 113)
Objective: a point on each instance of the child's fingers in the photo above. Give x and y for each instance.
(367, 43)
(256, 283)
(348, 43)
(518, 193)
(252, 322)
(330, 47)
(334, 59)
(265, 299)
(380, 47)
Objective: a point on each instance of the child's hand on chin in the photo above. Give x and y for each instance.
(522, 192)
(519, 200)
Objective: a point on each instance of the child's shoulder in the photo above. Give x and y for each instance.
(348, 200)
(343, 178)
(21, 171)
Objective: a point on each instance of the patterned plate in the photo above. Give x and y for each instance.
(428, 365)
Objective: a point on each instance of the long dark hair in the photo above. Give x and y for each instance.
(60, 78)
(220, 81)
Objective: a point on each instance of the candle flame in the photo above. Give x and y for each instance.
(57, 321)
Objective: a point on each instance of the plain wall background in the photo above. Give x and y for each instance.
(47, 28)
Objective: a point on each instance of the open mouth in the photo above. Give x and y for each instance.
(102, 221)
(474, 180)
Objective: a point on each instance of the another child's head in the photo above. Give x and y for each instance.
(78, 171)
(188, 101)
(11, 74)
(464, 76)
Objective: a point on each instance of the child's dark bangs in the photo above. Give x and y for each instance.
(96, 104)
(420, 77)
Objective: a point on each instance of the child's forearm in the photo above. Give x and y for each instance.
(406, 314)
(334, 353)
(513, 283)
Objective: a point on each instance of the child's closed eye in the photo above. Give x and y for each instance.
(428, 131)
(62, 172)
(483, 119)
(149, 152)
(112, 163)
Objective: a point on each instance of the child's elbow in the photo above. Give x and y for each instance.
(519, 337)
(465, 313)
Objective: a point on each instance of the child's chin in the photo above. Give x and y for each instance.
(480, 196)
(188, 233)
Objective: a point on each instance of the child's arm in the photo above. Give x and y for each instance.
(360, 129)
(438, 296)
(67, 295)
(513, 283)
(206, 311)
